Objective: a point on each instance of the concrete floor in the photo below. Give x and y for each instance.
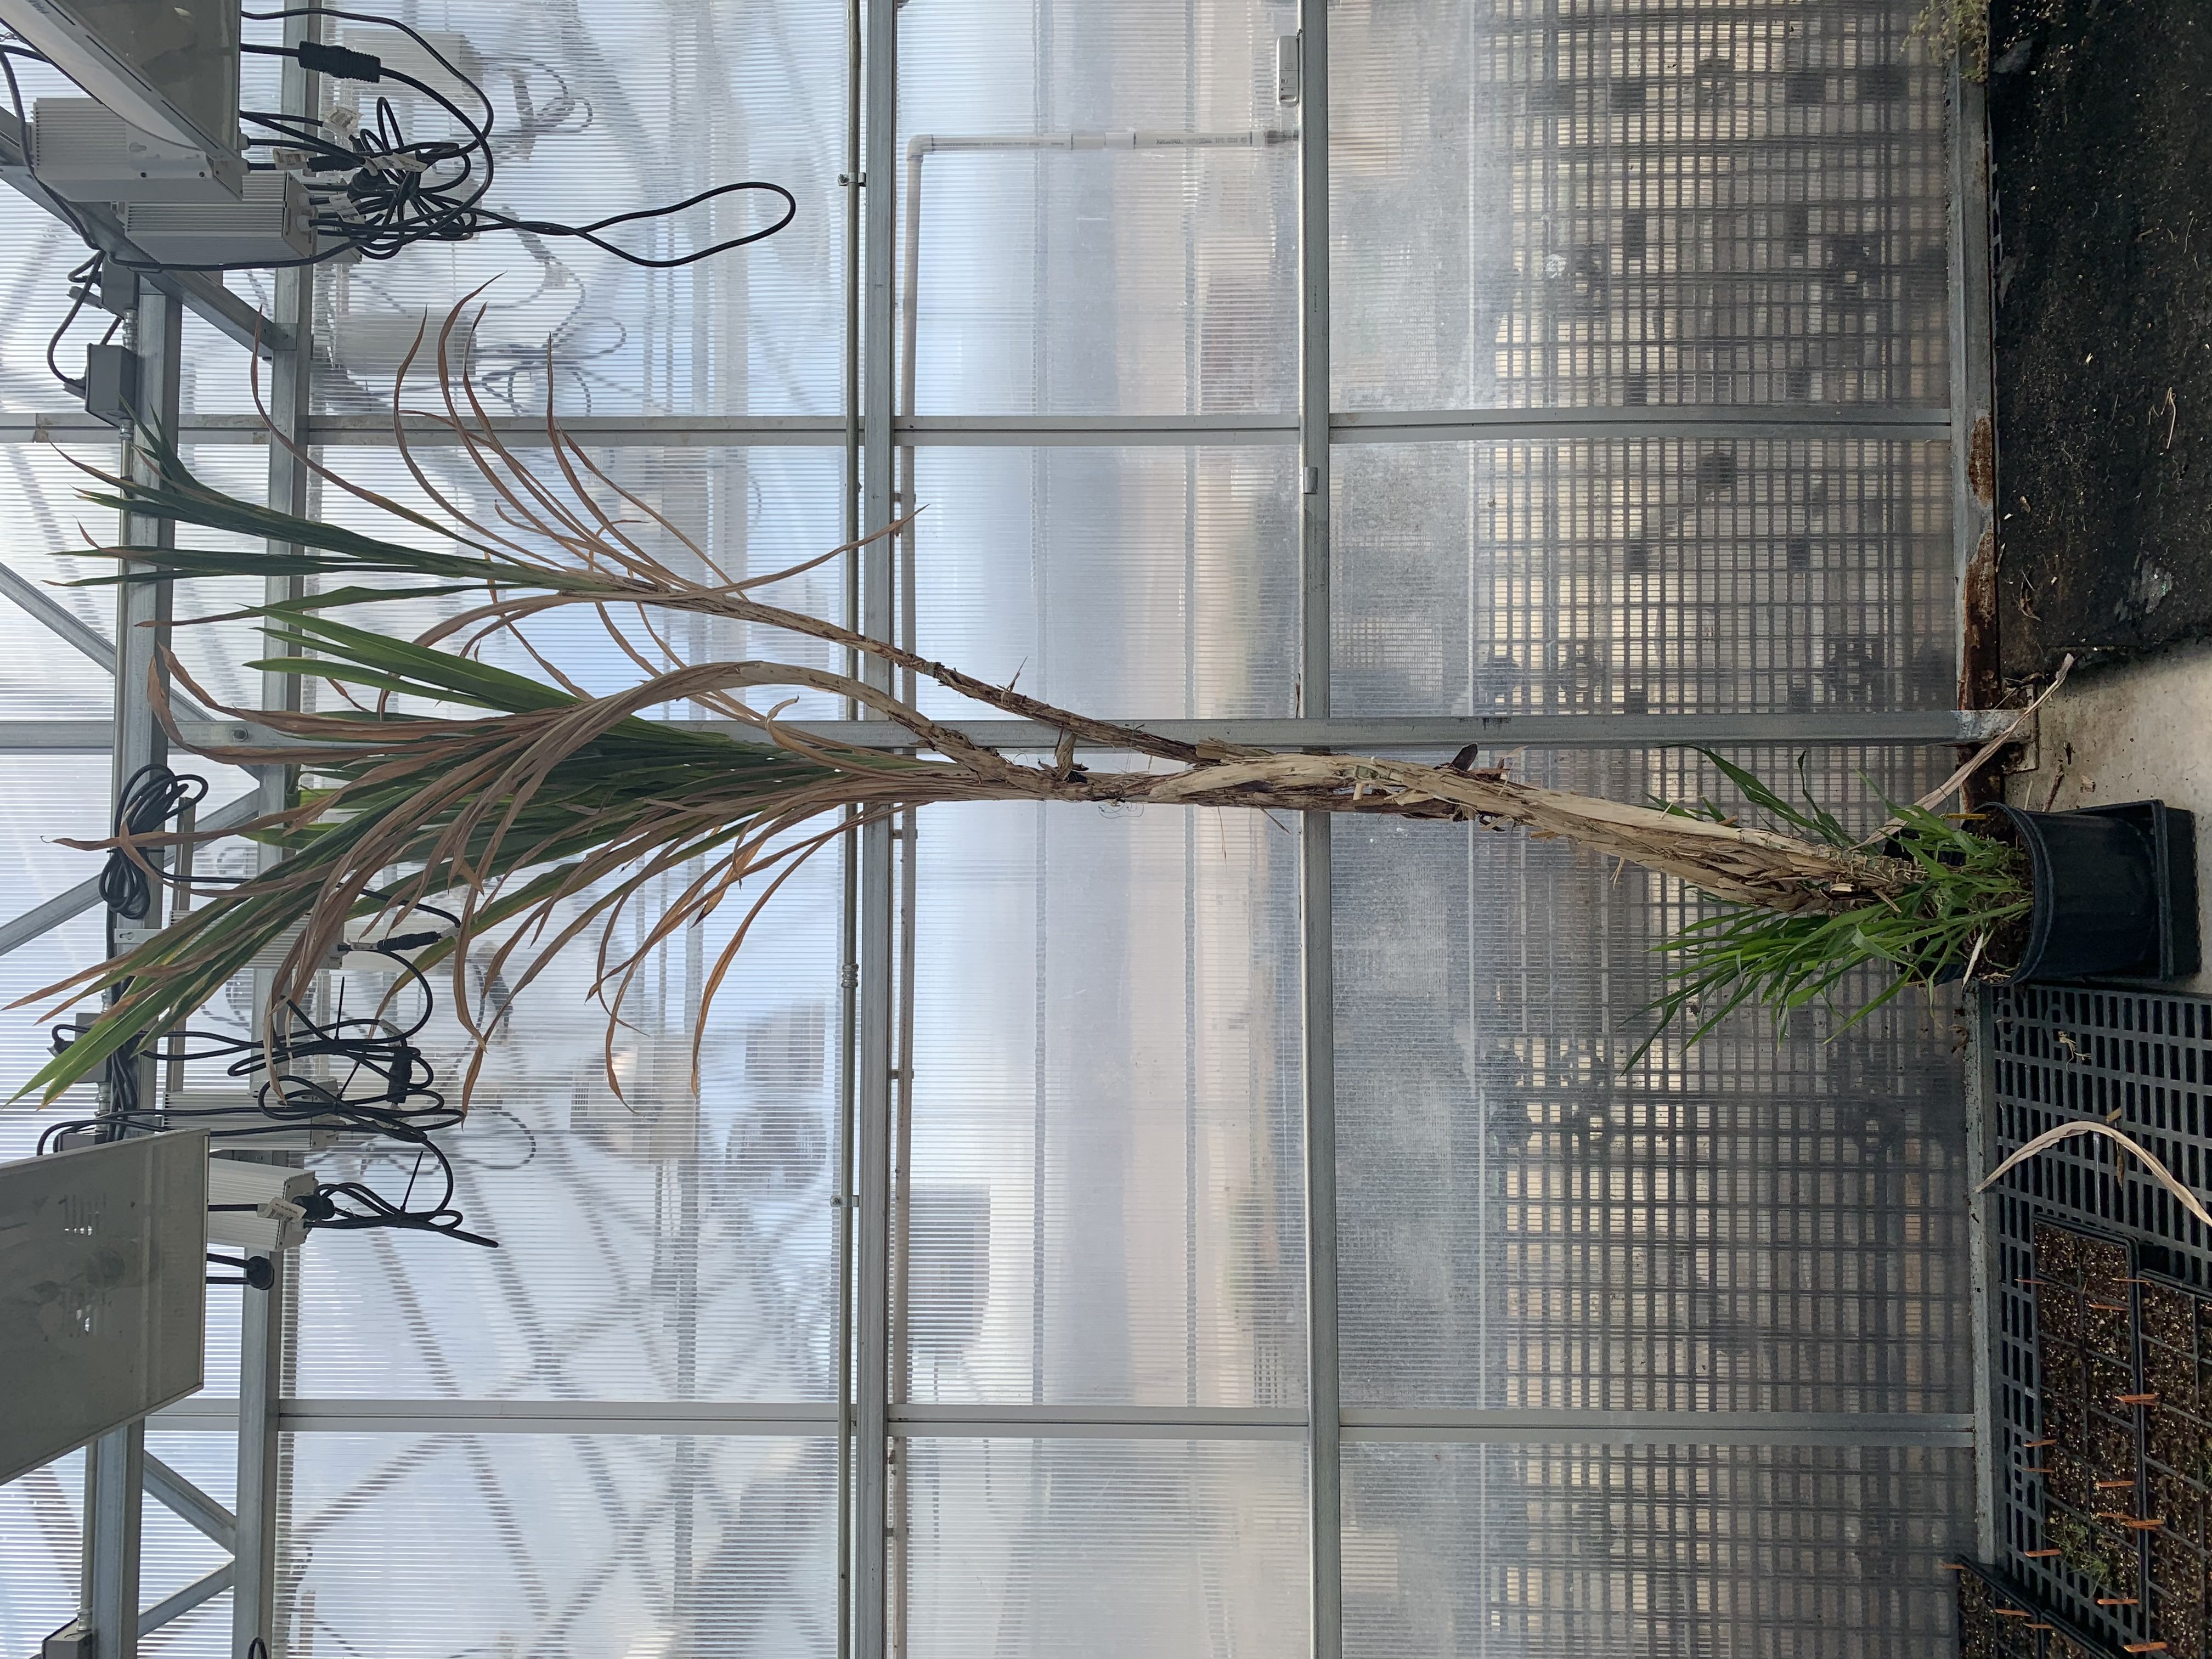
(2140, 731)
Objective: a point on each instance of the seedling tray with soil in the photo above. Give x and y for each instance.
(2125, 1452)
(1995, 1622)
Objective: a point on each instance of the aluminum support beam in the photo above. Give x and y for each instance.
(1668, 421)
(114, 1467)
(143, 608)
(203, 1588)
(849, 920)
(1946, 1431)
(114, 1477)
(184, 1499)
(260, 1382)
(114, 1472)
(34, 599)
(1603, 1428)
(1442, 1424)
(262, 1319)
(1212, 431)
(871, 1600)
(1324, 1432)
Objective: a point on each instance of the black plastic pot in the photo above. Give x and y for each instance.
(2115, 892)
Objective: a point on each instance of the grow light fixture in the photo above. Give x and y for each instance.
(168, 68)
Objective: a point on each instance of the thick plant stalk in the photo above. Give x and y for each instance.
(1746, 867)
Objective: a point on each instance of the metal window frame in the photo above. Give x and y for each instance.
(1325, 1424)
(810, 1418)
(873, 432)
(1213, 430)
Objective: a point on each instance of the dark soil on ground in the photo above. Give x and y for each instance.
(2100, 125)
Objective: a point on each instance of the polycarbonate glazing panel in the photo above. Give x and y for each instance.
(558, 1546)
(1746, 1224)
(50, 524)
(1544, 206)
(25, 1044)
(607, 1205)
(1108, 219)
(51, 796)
(654, 1245)
(1643, 576)
(218, 376)
(215, 653)
(36, 252)
(1589, 1552)
(1122, 582)
(173, 1553)
(43, 676)
(1106, 1549)
(1106, 1168)
(751, 512)
(41, 1545)
(612, 107)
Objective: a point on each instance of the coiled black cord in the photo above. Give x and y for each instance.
(387, 1088)
(396, 192)
(151, 797)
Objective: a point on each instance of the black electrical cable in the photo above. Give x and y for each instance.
(548, 228)
(387, 207)
(388, 1086)
(151, 796)
(256, 1272)
(85, 274)
(392, 201)
(415, 35)
(384, 207)
(80, 281)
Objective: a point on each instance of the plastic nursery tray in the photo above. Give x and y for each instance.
(2125, 1442)
(1995, 1621)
